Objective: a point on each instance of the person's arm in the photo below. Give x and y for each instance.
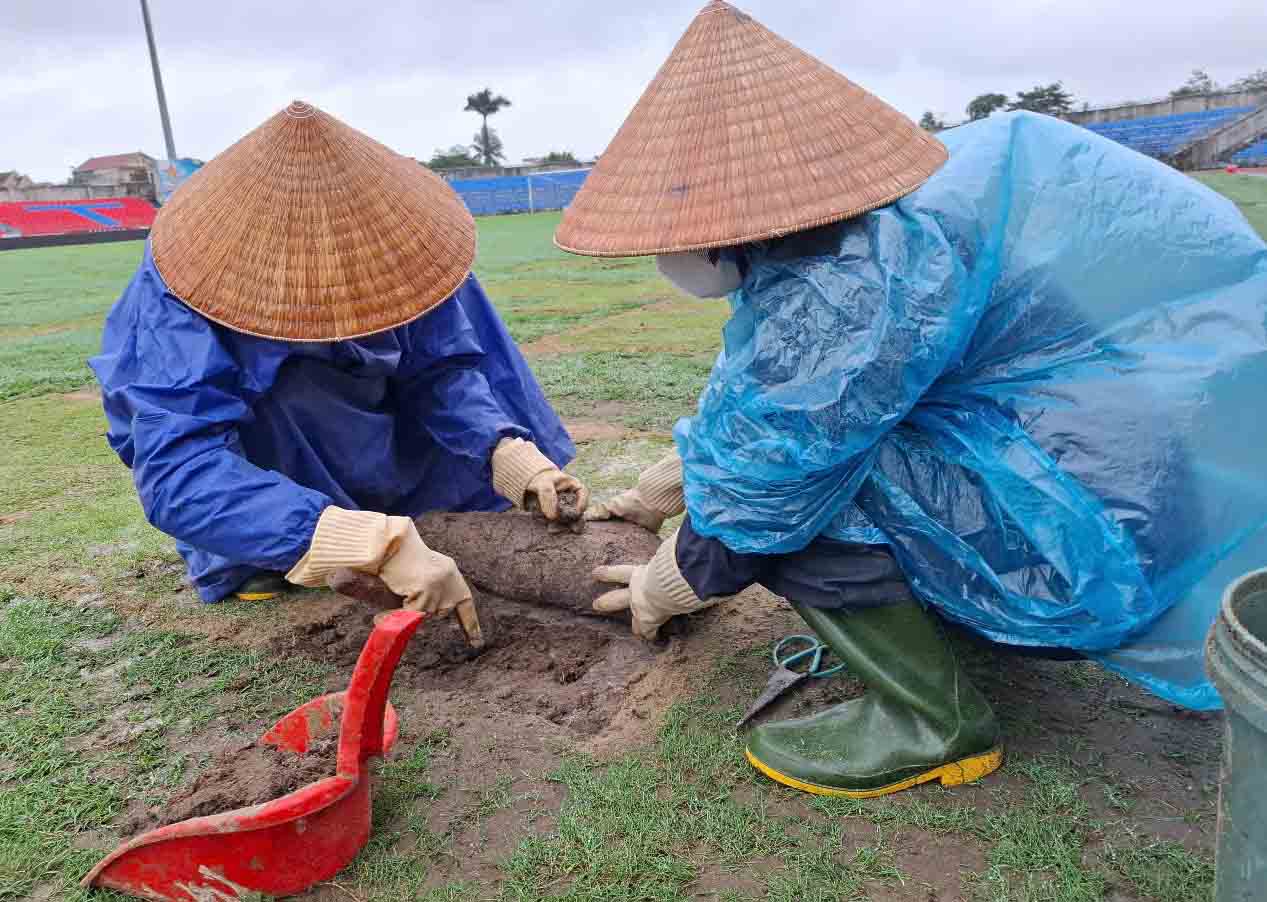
(656, 497)
(175, 397)
(196, 486)
(688, 574)
(391, 549)
(442, 386)
(834, 338)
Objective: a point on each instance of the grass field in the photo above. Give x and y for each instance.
(1248, 191)
(105, 674)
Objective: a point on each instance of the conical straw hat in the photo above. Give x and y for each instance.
(308, 230)
(741, 136)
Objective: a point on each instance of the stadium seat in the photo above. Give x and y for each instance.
(1254, 155)
(25, 218)
(1161, 136)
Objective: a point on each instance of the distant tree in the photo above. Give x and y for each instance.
(456, 157)
(1255, 81)
(931, 123)
(1198, 84)
(1051, 99)
(985, 104)
(487, 146)
(560, 156)
(486, 104)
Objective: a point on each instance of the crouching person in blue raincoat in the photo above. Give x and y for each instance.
(1007, 383)
(303, 362)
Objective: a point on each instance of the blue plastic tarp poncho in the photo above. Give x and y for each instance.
(237, 444)
(1038, 379)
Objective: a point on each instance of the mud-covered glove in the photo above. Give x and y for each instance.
(656, 497)
(654, 593)
(391, 549)
(522, 474)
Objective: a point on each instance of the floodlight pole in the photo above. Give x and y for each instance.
(158, 82)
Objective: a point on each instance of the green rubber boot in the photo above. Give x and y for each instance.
(263, 587)
(920, 719)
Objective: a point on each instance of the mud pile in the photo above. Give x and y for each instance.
(239, 777)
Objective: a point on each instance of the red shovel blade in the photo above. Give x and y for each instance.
(285, 846)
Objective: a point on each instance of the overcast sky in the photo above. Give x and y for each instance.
(76, 79)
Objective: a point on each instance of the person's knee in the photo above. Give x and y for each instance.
(829, 574)
(712, 569)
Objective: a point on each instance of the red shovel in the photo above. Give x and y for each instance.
(282, 847)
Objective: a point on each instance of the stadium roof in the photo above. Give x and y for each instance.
(116, 161)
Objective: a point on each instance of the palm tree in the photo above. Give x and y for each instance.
(488, 147)
(486, 105)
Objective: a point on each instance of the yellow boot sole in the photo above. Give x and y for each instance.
(968, 770)
(257, 596)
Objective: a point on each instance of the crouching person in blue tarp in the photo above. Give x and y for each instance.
(303, 362)
(1009, 381)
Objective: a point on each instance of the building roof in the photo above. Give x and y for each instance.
(116, 161)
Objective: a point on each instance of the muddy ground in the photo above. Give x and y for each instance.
(241, 776)
(551, 683)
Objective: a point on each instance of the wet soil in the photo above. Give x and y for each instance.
(544, 664)
(569, 506)
(589, 430)
(523, 558)
(240, 777)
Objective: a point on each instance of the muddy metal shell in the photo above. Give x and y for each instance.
(1237, 661)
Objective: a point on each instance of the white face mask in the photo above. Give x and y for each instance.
(692, 273)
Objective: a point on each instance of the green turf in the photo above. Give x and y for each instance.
(540, 290)
(32, 365)
(649, 391)
(1249, 192)
(72, 502)
(686, 326)
(45, 287)
(52, 303)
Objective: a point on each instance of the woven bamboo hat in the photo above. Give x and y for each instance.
(741, 136)
(308, 230)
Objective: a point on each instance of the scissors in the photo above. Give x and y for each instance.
(785, 676)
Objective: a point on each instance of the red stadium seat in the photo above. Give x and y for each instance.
(63, 217)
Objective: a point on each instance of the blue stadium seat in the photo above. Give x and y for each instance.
(1254, 155)
(1161, 136)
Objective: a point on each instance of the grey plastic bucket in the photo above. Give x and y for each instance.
(1237, 661)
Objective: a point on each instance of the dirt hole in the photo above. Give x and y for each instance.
(537, 663)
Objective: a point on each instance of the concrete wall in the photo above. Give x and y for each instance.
(125, 181)
(61, 192)
(1172, 107)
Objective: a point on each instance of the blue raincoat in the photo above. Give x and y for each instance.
(1038, 379)
(238, 443)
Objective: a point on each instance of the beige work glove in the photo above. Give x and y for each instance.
(522, 474)
(391, 549)
(654, 593)
(656, 497)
